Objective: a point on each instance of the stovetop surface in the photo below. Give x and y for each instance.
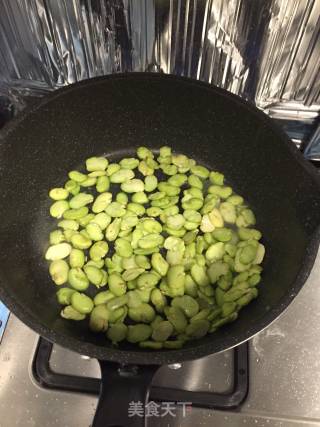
(284, 376)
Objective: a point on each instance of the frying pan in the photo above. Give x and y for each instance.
(112, 116)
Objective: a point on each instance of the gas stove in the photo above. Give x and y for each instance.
(274, 380)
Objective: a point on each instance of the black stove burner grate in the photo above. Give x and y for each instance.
(47, 378)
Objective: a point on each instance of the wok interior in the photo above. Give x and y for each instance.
(113, 116)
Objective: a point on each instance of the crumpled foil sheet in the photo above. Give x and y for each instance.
(267, 51)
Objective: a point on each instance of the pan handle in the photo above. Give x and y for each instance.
(123, 394)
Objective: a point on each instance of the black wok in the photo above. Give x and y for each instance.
(112, 116)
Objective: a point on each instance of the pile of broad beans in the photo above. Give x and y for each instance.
(154, 250)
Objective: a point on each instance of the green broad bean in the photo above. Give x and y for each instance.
(216, 178)
(68, 234)
(222, 234)
(103, 184)
(94, 274)
(118, 315)
(199, 275)
(89, 182)
(145, 169)
(190, 286)
(115, 210)
(150, 241)
(79, 241)
(178, 180)
(177, 318)
(136, 208)
(121, 176)
(190, 237)
(200, 260)
(206, 224)
(174, 257)
(176, 276)
(187, 304)
(169, 169)
(99, 319)
(238, 265)
(140, 251)
(219, 296)
(248, 254)
(249, 234)
(84, 221)
(142, 261)
(195, 181)
(104, 280)
(116, 284)
(151, 226)
(144, 294)
(71, 314)
(132, 274)
(64, 296)
(144, 153)
(246, 218)
(175, 222)
(144, 313)
(68, 224)
(129, 163)
(216, 270)
(228, 212)
(58, 208)
(129, 263)
(151, 344)
(169, 190)
(220, 191)
(113, 168)
(228, 308)
(122, 198)
(117, 302)
(230, 249)
(193, 203)
(154, 211)
(59, 270)
(197, 329)
(58, 194)
(134, 299)
(117, 332)
(56, 236)
(225, 282)
(72, 187)
(133, 186)
(254, 280)
(81, 303)
(97, 174)
(165, 151)
(260, 254)
(80, 200)
(147, 281)
(101, 202)
(76, 258)
(200, 171)
(98, 263)
(235, 200)
(180, 160)
(123, 247)
(139, 332)
(215, 252)
(162, 331)
(140, 198)
(201, 315)
(94, 231)
(96, 164)
(77, 176)
(159, 264)
(102, 219)
(220, 322)
(103, 297)
(59, 251)
(76, 213)
(113, 229)
(192, 216)
(176, 233)
(158, 299)
(78, 279)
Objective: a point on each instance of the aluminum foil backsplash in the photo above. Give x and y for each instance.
(267, 51)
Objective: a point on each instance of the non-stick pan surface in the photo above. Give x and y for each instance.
(112, 116)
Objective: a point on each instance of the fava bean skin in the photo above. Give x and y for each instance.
(171, 244)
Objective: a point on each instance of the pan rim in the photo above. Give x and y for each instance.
(187, 353)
